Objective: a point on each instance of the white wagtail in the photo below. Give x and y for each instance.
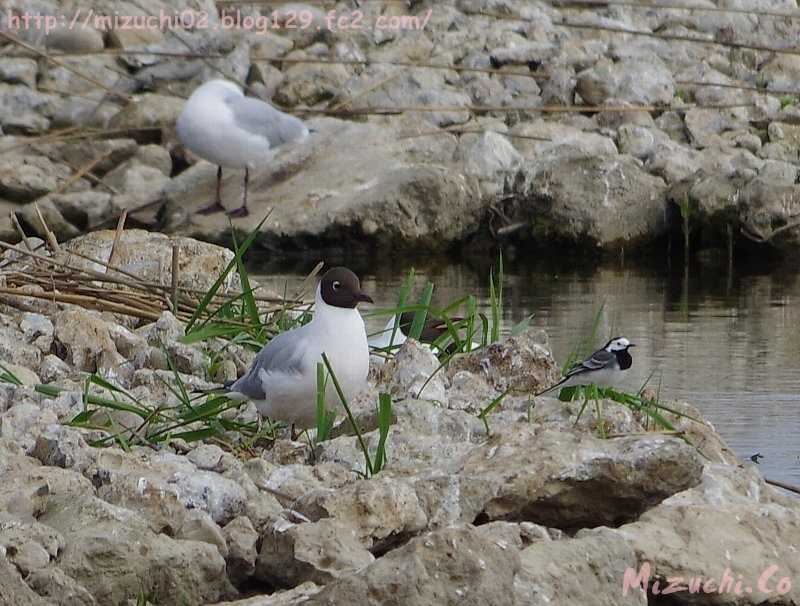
(603, 368)
(221, 125)
(282, 381)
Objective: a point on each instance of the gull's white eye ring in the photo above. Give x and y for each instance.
(336, 285)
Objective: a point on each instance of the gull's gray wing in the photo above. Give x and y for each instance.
(599, 359)
(260, 118)
(283, 354)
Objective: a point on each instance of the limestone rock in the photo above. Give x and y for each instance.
(242, 541)
(450, 566)
(149, 256)
(319, 552)
(609, 202)
(113, 553)
(522, 363)
(639, 82)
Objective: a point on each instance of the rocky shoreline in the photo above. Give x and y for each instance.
(532, 509)
(716, 143)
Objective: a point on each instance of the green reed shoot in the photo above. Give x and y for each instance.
(367, 460)
(325, 418)
(202, 308)
(484, 414)
(418, 324)
(384, 421)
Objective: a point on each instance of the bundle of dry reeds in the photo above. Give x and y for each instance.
(37, 270)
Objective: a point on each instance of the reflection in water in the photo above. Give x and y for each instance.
(727, 342)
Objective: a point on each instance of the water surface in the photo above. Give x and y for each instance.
(726, 340)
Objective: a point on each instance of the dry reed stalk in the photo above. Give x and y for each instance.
(95, 275)
(21, 232)
(84, 301)
(593, 4)
(364, 92)
(465, 131)
(49, 235)
(784, 485)
(81, 172)
(543, 109)
(176, 252)
(65, 138)
(117, 236)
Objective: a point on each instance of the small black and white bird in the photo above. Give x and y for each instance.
(603, 368)
(282, 381)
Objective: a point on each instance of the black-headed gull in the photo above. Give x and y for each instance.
(282, 381)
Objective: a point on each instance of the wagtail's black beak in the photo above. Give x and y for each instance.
(632, 345)
(362, 296)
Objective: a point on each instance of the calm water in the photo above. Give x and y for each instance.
(729, 342)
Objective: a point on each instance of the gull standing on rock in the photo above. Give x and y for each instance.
(221, 125)
(282, 381)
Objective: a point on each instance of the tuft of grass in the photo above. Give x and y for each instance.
(236, 262)
(190, 419)
(384, 421)
(496, 300)
(249, 305)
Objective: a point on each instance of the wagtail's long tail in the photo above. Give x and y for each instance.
(552, 387)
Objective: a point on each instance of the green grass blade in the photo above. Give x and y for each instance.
(182, 395)
(384, 422)
(484, 329)
(325, 418)
(101, 382)
(496, 300)
(8, 376)
(490, 407)
(207, 298)
(405, 290)
(353, 424)
(250, 306)
(521, 326)
(48, 390)
(419, 318)
(195, 435)
(472, 312)
(210, 331)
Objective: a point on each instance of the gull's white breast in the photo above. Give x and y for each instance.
(340, 333)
